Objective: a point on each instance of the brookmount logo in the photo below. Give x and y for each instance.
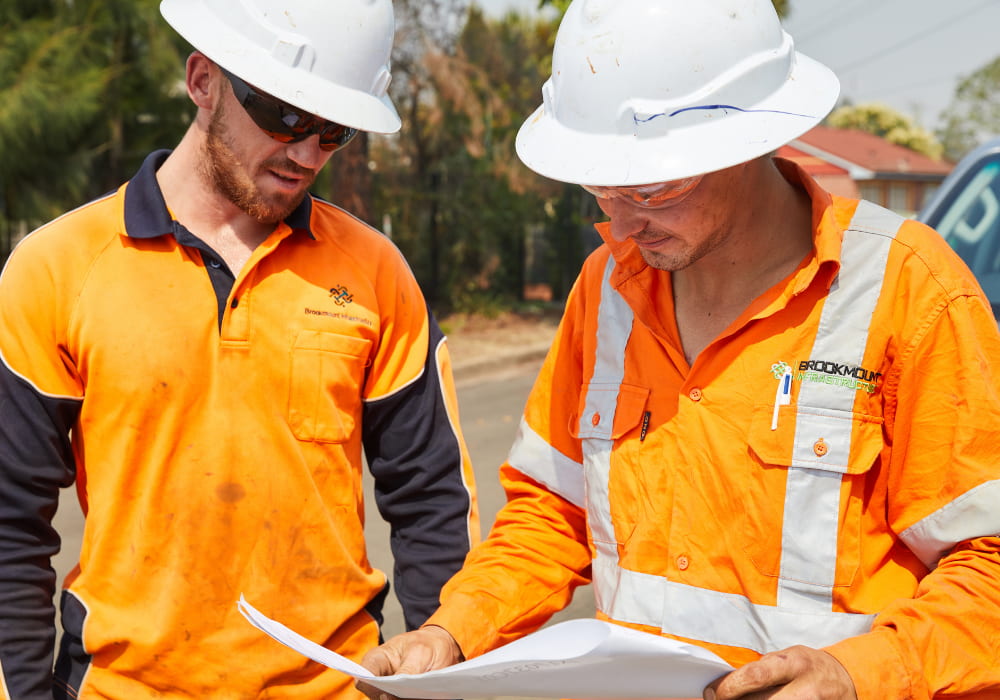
(833, 373)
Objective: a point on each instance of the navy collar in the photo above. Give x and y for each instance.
(146, 214)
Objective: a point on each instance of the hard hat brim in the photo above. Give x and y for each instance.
(309, 92)
(713, 138)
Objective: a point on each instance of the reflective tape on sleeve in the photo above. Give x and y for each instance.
(534, 457)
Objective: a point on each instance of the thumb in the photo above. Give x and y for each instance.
(380, 661)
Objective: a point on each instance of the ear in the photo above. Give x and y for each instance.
(201, 80)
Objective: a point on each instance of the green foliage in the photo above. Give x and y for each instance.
(974, 113)
(891, 125)
(49, 96)
(86, 89)
(459, 202)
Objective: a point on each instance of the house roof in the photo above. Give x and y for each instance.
(830, 177)
(814, 165)
(866, 156)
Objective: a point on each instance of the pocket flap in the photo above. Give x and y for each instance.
(326, 341)
(816, 438)
(608, 411)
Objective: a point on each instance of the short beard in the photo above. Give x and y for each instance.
(683, 258)
(224, 171)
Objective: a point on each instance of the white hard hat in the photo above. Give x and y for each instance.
(327, 57)
(647, 91)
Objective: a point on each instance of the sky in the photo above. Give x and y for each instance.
(908, 54)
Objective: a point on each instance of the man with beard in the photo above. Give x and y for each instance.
(209, 352)
(768, 421)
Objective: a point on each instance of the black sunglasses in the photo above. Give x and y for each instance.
(285, 123)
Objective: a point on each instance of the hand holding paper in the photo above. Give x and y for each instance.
(587, 659)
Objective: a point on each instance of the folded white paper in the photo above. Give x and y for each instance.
(587, 659)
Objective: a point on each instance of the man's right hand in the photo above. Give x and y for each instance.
(426, 649)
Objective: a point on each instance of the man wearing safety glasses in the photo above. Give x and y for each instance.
(209, 352)
(768, 423)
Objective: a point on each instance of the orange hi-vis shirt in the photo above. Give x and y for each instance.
(219, 425)
(825, 473)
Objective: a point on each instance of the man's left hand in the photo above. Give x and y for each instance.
(796, 672)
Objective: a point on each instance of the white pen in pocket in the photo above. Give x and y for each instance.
(783, 396)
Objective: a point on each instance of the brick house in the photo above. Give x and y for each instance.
(855, 163)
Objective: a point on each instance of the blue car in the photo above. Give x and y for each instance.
(966, 211)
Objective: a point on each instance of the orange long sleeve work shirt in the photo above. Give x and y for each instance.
(217, 425)
(825, 473)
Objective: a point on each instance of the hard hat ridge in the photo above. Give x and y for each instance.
(652, 90)
(328, 58)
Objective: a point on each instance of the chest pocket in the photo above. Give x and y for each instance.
(608, 411)
(821, 461)
(327, 373)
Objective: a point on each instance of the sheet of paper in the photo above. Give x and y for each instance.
(587, 659)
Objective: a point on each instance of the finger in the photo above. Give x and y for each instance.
(765, 675)
(712, 694)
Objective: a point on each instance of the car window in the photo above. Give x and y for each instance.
(970, 222)
(969, 219)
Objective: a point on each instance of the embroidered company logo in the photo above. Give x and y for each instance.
(834, 373)
(778, 369)
(341, 296)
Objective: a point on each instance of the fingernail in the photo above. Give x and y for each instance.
(383, 696)
(709, 694)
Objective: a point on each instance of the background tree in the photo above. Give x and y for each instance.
(455, 198)
(886, 122)
(49, 97)
(145, 105)
(974, 112)
(86, 89)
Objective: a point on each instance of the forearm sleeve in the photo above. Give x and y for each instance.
(35, 462)
(943, 642)
(424, 485)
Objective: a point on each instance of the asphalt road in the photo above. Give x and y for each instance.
(490, 409)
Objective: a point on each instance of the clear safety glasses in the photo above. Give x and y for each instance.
(652, 195)
(285, 123)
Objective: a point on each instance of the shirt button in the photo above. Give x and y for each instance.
(683, 562)
(820, 447)
(235, 303)
(213, 263)
(595, 419)
(695, 394)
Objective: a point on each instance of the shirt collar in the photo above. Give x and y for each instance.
(828, 223)
(146, 213)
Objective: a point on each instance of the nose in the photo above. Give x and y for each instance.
(627, 219)
(307, 153)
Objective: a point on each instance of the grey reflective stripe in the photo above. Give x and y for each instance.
(812, 496)
(614, 326)
(531, 455)
(973, 514)
(720, 618)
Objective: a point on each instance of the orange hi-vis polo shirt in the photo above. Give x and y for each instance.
(825, 473)
(218, 425)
